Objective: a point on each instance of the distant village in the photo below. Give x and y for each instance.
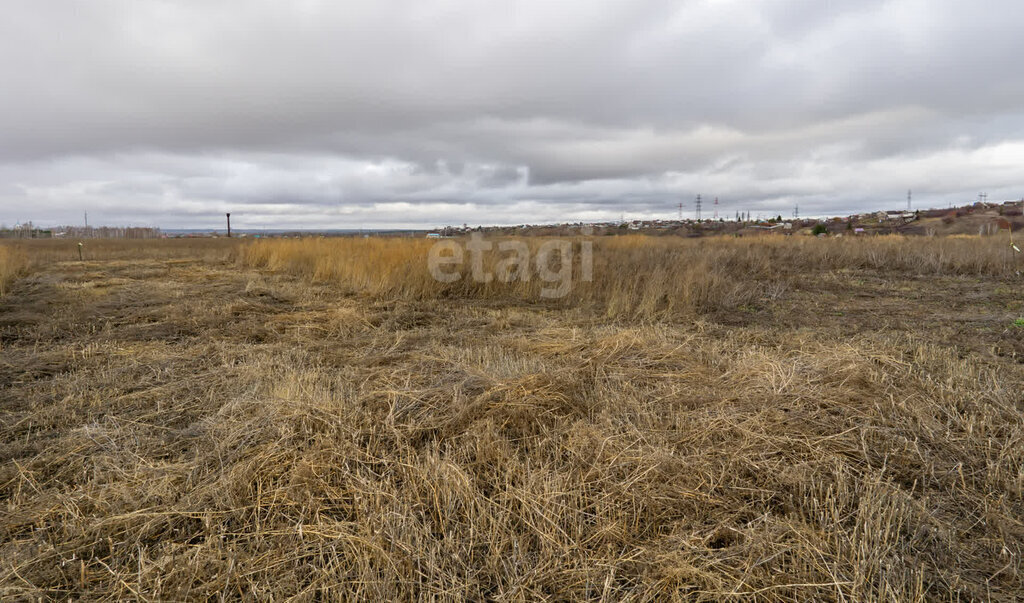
(981, 218)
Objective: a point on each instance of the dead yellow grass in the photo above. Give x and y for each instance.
(43, 252)
(18, 257)
(633, 276)
(183, 429)
(13, 263)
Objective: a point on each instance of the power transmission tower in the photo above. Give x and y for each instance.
(796, 211)
(680, 212)
(716, 208)
(982, 197)
(908, 199)
(698, 208)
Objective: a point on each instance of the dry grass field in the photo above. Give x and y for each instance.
(716, 419)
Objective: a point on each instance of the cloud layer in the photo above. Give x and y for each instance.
(397, 114)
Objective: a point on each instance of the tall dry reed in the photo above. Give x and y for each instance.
(633, 276)
(13, 263)
(630, 277)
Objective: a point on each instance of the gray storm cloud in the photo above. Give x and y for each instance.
(398, 114)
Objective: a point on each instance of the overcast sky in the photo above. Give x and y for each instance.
(308, 114)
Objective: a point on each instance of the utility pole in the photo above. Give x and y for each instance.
(229, 225)
(698, 208)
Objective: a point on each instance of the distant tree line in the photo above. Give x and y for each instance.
(30, 231)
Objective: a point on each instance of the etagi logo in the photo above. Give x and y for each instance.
(552, 262)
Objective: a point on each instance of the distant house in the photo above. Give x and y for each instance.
(900, 216)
